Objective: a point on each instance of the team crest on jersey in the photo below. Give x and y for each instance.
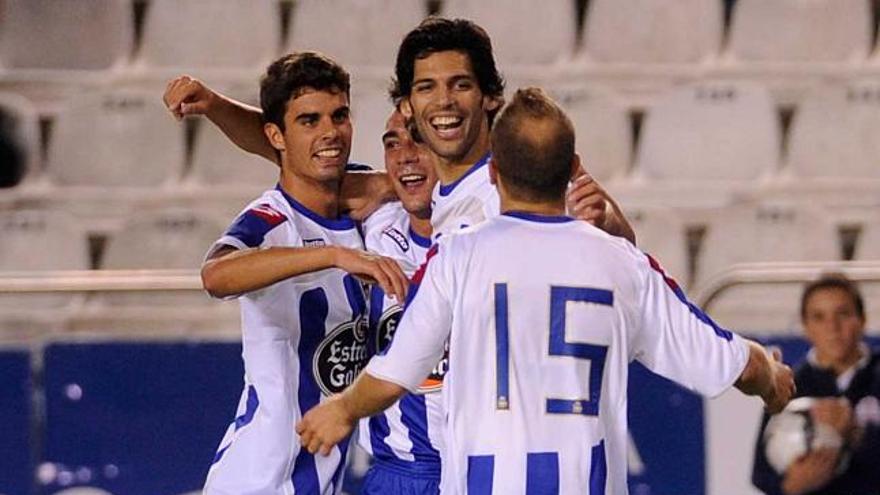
(341, 356)
(314, 242)
(385, 333)
(398, 237)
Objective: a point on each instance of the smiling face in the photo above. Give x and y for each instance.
(316, 140)
(448, 107)
(834, 327)
(410, 166)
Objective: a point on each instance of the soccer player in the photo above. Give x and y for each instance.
(543, 315)
(293, 261)
(406, 440)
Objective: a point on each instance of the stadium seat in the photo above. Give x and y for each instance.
(652, 31)
(38, 240)
(800, 31)
(19, 124)
(763, 233)
(219, 164)
(81, 35)
(16, 473)
(603, 129)
(136, 418)
(211, 34)
(373, 29)
(660, 233)
(835, 134)
(523, 32)
(370, 108)
(116, 139)
(868, 246)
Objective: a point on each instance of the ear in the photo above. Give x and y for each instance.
(493, 171)
(406, 108)
(576, 169)
(492, 103)
(275, 136)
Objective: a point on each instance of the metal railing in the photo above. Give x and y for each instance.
(99, 281)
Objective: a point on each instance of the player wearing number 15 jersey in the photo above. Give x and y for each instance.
(543, 315)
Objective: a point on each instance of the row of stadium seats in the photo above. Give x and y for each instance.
(189, 33)
(702, 133)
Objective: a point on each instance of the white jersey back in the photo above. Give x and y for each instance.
(303, 339)
(467, 201)
(408, 434)
(540, 342)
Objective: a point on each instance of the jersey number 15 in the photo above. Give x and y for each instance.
(559, 346)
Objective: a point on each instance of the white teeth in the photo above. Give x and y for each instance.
(406, 179)
(445, 121)
(332, 153)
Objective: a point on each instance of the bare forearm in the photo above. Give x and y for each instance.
(247, 270)
(242, 124)
(757, 377)
(616, 223)
(364, 192)
(369, 395)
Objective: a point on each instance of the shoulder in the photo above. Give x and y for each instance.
(257, 219)
(386, 229)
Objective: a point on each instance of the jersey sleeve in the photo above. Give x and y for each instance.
(250, 228)
(677, 340)
(419, 341)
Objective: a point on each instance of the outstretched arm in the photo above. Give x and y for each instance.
(241, 123)
(326, 425)
(766, 376)
(230, 271)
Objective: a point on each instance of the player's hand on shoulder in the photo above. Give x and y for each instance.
(324, 426)
(782, 387)
(185, 95)
(375, 269)
(811, 472)
(586, 200)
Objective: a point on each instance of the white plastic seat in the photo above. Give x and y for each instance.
(603, 131)
(868, 246)
(653, 31)
(210, 34)
(218, 163)
(800, 30)
(20, 124)
(835, 134)
(37, 241)
(73, 34)
(722, 132)
(370, 109)
(116, 139)
(767, 234)
(524, 32)
(355, 33)
(661, 234)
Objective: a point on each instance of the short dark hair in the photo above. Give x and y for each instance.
(533, 146)
(833, 281)
(439, 34)
(291, 74)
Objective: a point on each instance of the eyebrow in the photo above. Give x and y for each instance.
(307, 115)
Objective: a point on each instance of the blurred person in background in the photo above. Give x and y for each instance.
(842, 371)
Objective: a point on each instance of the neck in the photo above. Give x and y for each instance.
(841, 366)
(554, 208)
(450, 170)
(320, 197)
(421, 226)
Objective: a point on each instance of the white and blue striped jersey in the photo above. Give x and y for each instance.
(303, 339)
(465, 202)
(543, 316)
(407, 436)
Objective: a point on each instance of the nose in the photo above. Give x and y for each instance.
(444, 95)
(329, 129)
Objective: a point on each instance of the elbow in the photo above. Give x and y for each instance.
(214, 281)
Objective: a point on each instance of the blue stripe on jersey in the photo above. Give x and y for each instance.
(343, 449)
(342, 222)
(537, 217)
(250, 409)
(676, 289)
(414, 415)
(446, 190)
(252, 226)
(377, 306)
(542, 473)
(313, 311)
(479, 474)
(424, 242)
(598, 469)
(502, 351)
(379, 431)
(358, 167)
(355, 295)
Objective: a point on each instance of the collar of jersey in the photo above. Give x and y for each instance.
(446, 190)
(343, 222)
(424, 242)
(537, 217)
